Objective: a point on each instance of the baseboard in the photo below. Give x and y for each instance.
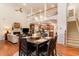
(12, 42)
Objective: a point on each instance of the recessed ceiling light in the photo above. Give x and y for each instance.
(40, 10)
(52, 5)
(24, 4)
(41, 16)
(45, 18)
(36, 18)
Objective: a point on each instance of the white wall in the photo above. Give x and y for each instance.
(62, 7)
(8, 16)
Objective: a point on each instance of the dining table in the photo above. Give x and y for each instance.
(37, 41)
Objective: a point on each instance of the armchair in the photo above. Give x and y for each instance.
(12, 38)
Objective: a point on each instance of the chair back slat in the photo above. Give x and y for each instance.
(52, 45)
(22, 45)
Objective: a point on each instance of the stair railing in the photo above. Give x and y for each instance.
(77, 23)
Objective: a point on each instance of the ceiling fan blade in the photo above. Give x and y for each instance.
(21, 10)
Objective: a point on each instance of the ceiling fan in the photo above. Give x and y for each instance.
(19, 10)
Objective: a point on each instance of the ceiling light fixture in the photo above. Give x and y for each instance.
(40, 10)
(24, 4)
(52, 5)
(36, 18)
(45, 18)
(41, 17)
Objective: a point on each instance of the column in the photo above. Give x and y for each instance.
(61, 22)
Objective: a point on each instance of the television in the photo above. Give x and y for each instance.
(25, 30)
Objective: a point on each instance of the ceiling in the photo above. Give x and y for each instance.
(30, 10)
(34, 9)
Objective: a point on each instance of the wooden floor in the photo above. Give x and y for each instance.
(67, 51)
(8, 49)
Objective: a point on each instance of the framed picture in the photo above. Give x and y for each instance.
(71, 13)
(16, 25)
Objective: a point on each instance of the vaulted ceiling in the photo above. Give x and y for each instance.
(29, 10)
(36, 8)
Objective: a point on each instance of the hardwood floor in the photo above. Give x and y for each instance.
(8, 49)
(67, 51)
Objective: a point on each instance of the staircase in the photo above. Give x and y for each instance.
(73, 34)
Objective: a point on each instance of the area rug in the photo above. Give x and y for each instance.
(17, 54)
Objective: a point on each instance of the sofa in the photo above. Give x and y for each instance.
(12, 38)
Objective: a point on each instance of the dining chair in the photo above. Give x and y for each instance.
(25, 48)
(49, 48)
(22, 46)
(52, 47)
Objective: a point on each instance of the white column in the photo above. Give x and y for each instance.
(61, 23)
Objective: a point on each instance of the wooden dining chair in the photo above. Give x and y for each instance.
(49, 49)
(52, 47)
(22, 46)
(25, 48)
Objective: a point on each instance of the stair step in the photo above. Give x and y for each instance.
(70, 38)
(73, 45)
(73, 34)
(74, 37)
(76, 34)
(73, 41)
